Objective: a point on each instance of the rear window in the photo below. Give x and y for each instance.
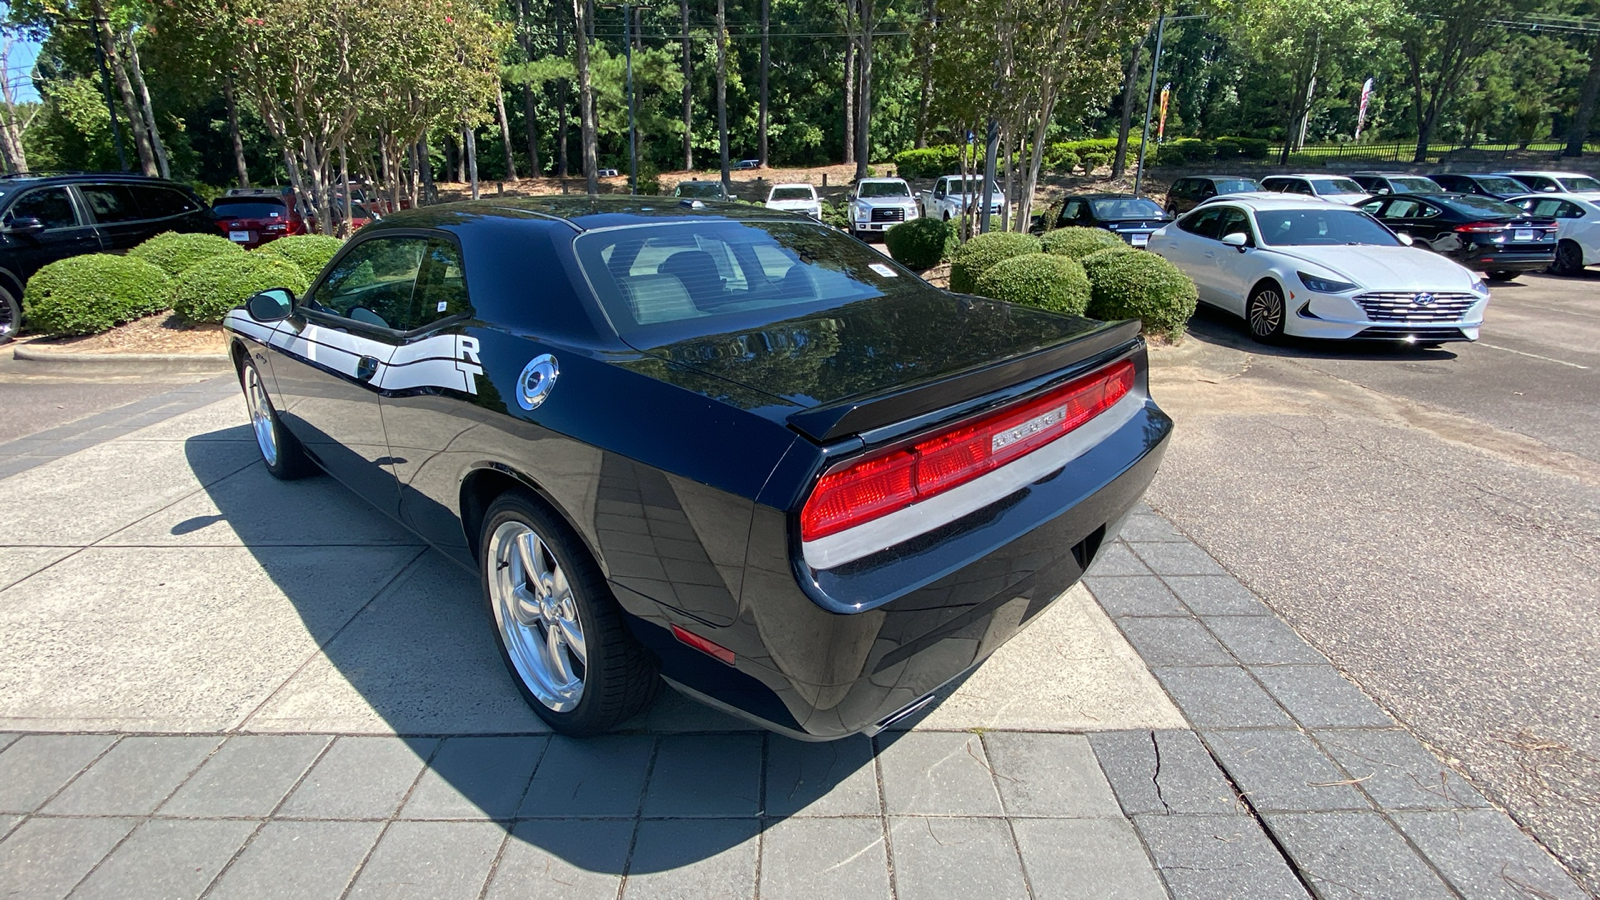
(1236, 185)
(1503, 185)
(1416, 185)
(795, 193)
(1473, 205)
(1334, 186)
(709, 277)
(1126, 208)
(252, 208)
(708, 190)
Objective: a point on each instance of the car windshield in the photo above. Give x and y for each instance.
(1502, 185)
(1126, 208)
(1321, 227)
(1416, 185)
(1581, 184)
(1236, 185)
(1478, 206)
(884, 189)
(716, 276)
(792, 193)
(710, 190)
(252, 208)
(1332, 186)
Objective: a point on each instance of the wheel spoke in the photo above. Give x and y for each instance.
(572, 635)
(528, 560)
(555, 645)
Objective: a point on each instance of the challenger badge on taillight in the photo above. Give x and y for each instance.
(873, 486)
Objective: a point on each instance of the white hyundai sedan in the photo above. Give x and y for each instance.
(1315, 269)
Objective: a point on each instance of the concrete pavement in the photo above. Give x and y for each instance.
(217, 684)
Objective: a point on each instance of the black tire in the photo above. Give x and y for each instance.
(1503, 276)
(1569, 259)
(619, 678)
(281, 451)
(10, 316)
(1265, 313)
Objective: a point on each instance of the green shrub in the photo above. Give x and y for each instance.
(1169, 155)
(922, 243)
(1095, 160)
(172, 252)
(1228, 149)
(836, 214)
(1059, 158)
(1076, 242)
(1253, 148)
(1102, 253)
(976, 256)
(309, 252)
(1140, 286)
(90, 294)
(208, 290)
(1048, 282)
(1195, 151)
(927, 162)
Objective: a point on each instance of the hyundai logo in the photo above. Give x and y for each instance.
(1423, 299)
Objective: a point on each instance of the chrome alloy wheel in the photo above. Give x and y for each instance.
(1266, 313)
(255, 396)
(537, 615)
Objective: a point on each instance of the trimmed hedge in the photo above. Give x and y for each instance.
(1076, 241)
(1061, 158)
(978, 255)
(92, 293)
(310, 252)
(207, 291)
(172, 252)
(922, 243)
(1056, 283)
(1108, 251)
(1140, 286)
(1099, 160)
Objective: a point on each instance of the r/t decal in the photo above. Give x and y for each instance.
(468, 362)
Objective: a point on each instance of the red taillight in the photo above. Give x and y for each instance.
(703, 645)
(1481, 227)
(874, 486)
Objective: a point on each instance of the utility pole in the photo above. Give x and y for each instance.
(1149, 103)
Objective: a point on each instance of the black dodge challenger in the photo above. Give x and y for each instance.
(713, 445)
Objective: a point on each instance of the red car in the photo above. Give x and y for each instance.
(251, 217)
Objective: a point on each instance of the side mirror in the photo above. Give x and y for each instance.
(1404, 238)
(26, 225)
(271, 305)
(1237, 239)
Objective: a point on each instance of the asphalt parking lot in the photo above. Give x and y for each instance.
(1429, 519)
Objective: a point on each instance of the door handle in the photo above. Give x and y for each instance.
(366, 367)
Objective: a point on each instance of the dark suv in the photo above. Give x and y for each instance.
(44, 218)
(1187, 193)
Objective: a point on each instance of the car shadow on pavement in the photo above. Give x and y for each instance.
(1213, 326)
(407, 653)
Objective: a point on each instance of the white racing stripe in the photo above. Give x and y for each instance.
(942, 509)
(449, 361)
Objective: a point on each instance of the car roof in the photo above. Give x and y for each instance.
(1222, 177)
(1545, 172)
(580, 213)
(1254, 200)
(881, 181)
(794, 184)
(1313, 176)
(1590, 197)
(1106, 195)
(28, 179)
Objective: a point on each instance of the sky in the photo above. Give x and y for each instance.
(19, 69)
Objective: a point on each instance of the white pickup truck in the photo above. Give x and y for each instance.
(951, 197)
(878, 204)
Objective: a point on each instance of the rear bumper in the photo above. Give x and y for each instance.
(818, 675)
(1506, 259)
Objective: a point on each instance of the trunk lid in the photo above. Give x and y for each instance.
(878, 362)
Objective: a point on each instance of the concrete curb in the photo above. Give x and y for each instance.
(59, 360)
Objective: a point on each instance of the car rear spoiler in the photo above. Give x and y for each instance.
(855, 415)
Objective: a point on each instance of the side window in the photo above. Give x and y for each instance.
(1300, 187)
(373, 282)
(51, 206)
(441, 290)
(1203, 223)
(938, 189)
(1072, 210)
(1569, 211)
(161, 202)
(1207, 189)
(1401, 209)
(111, 203)
(1543, 185)
(1183, 188)
(1428, 211)
(1372, 208)
(1233, 221)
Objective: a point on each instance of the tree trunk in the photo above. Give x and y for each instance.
(148, 109)
(562, 99)
(864, 92)
(1579, 131)
(722, 88)
(348, 226)
(469, 140)
(16, 156)
(130, 104)
(530, 117)
(233, 130)
(766, 63)
(586, 97)
(425, 168)
(688, 91)
(505, 133)
(1130, 96)
(925, 91)
(849, 83)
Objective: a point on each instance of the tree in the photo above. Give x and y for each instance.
(580, 18)
(1440, 52)
(722, 88)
